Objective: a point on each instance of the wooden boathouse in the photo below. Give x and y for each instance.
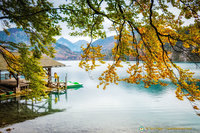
(16, 84)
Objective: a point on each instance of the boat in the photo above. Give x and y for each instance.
(9, 92)
(71, 84)
(2, 95)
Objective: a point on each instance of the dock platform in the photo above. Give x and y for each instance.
(11, 84)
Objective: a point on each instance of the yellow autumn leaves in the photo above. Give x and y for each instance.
(153, 62)
(91, 53)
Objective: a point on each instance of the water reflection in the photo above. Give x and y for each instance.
(119, 108)
(154, 90)
(19, 109)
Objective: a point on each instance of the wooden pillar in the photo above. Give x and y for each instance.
(32, 105)
(0, 75)
(50, 103)
(66, 95)
(17, 90)
(58, 83)
(49, 76)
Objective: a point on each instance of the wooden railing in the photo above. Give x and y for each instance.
(57, 83)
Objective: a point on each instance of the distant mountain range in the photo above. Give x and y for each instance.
(19, 36)
(64, 53)
(16, 35)
(66, 50)
(107, 43)
(76, 47)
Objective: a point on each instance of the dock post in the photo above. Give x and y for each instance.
(49, 76)
(0, 75)
(17, 90)
(58, 83)
(66, 81)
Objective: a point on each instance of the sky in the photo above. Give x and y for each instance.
(65, 31)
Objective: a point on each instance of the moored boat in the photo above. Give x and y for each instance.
(71, 84)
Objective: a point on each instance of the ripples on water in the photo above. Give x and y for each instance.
(122, 108)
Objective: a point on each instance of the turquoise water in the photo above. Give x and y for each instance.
(120, 108)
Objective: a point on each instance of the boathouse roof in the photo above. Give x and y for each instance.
(45, 62)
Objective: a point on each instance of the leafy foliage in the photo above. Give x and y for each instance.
(145, 29)
(159, 30)
(35, 18)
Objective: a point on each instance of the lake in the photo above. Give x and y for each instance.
(120, 108)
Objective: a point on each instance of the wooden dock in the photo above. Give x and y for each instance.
(21, 86)
(11, 84)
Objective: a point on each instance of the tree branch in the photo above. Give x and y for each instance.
(98, 12)
(28, 15)
(157, 33)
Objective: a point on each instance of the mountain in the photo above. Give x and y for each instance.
(19, 36)
(107, 43)
(64, 53)
(16, 36)
(67, 50)
(79, 43)
(76, 47)
(65, 42)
